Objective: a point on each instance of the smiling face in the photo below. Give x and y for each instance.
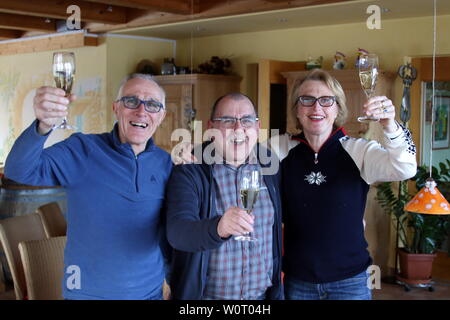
(316, 120)
(234, 144)
(136, 126)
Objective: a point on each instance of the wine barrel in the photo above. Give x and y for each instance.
(18, 199)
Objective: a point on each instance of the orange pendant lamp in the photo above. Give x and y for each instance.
(429, 200)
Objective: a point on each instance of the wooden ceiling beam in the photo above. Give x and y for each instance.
(92, 12)
(215, 8)
(171, 6)
(47, 43)
(21, 22)
(210, 9)
(7, 34)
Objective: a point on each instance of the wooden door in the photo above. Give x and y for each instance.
(178, 99)
(269, 72)
(424, 74)
(207, 89)
(424, 66)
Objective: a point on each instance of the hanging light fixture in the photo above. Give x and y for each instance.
(429, 200)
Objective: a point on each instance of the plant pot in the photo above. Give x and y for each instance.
(415, 266)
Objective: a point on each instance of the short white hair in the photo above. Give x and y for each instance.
(143, 76)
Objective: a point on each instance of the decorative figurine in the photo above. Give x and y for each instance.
(339, 61)
(314, 63)
(408, 74)
(360, 52)
(215, 66)
(147, 67)
(189, 115)
(168, 67)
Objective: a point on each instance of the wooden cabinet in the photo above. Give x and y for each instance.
(349, 80)
(185, 93)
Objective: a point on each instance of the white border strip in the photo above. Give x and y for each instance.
(106, 35)
(43, 36)
(126, 36)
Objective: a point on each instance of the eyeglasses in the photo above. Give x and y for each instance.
(230, 122)
(308, 101)
(133, 102)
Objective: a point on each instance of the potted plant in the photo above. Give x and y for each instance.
(419, 235)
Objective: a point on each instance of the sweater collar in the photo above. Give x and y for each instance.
(125, 148)
(335, 135)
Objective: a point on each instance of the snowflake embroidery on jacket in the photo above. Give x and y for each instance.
(315, 178)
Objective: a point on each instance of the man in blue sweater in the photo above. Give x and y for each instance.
(115, 185)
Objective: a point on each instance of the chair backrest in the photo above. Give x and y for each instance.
(43, 264)
(13, 231)
(53, 220)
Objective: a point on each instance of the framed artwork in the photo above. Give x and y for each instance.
(441, 130)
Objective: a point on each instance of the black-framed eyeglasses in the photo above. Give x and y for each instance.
(132, 102)
(230, 122)
(309, 101)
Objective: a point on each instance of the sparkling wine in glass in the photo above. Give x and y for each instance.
(249, 187)
(368, 74)
(63, 73)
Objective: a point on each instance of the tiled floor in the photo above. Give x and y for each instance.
(397, 292)
(387, 292)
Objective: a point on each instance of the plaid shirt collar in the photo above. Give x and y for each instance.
(251, 159)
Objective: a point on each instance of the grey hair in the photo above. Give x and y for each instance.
(143, 76)
(235, 96)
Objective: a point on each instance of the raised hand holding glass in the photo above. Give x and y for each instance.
(368, 74)
(64, 72)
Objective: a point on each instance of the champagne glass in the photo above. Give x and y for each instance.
(368, 74)
(64, 72)
(249, 187)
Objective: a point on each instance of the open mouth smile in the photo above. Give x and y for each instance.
(238, 140)
(314, 117)
(139, 124)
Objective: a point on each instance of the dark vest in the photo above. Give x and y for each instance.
(324, 198)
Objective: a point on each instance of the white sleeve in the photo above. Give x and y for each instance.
(281, 145)
(394, 161)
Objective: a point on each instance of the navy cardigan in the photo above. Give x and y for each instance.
(192, 229)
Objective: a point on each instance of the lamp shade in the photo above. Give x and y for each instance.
(428, 200)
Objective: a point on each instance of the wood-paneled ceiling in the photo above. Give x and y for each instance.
(177, 19)
(22, 18)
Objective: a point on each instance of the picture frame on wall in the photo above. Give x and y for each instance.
(441, 130)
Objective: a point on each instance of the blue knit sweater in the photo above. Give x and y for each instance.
(114, 204)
